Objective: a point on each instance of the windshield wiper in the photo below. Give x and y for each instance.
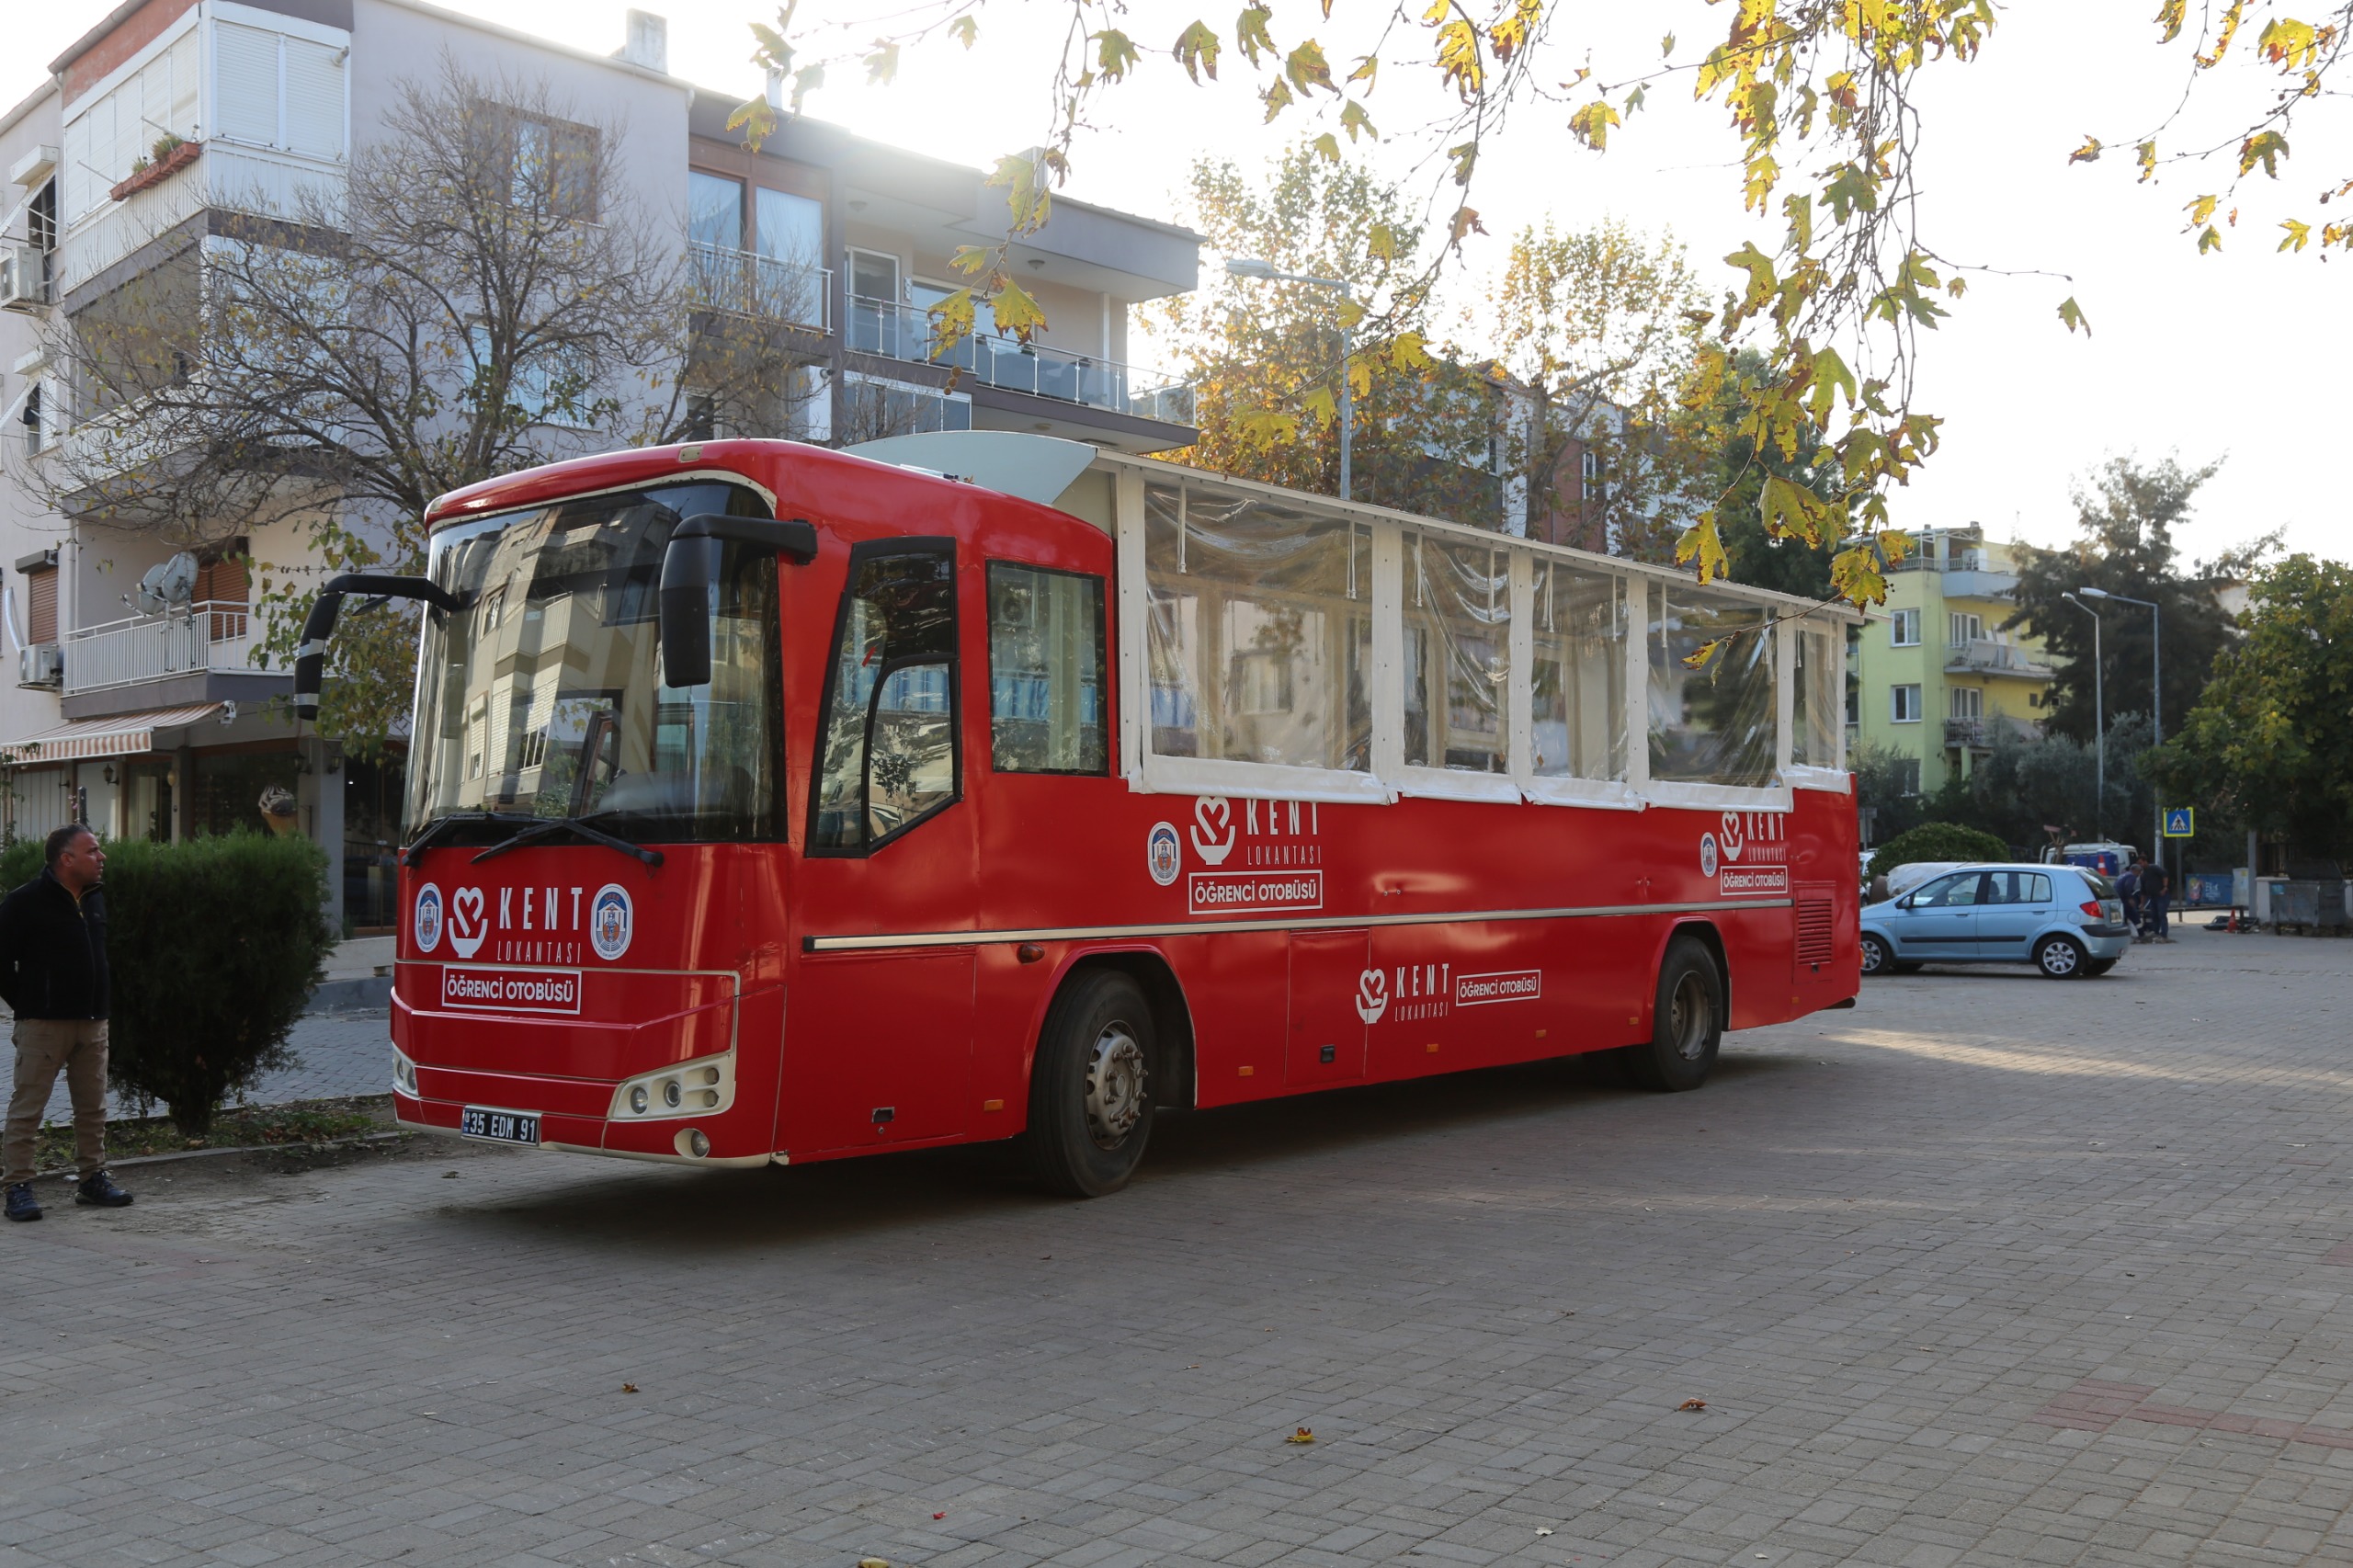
(549, 827)
(440, 826)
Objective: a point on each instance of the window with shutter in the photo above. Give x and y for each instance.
(74, 178)
(313, 100)
(41, 604)
(246, 70)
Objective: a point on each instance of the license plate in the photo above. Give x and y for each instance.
(499, 1126)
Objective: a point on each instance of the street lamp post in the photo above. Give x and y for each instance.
(1264, 272)
(2156, 693)
(2099, 723)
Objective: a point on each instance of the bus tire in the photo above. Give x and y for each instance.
(1090, 1092)
(1688, 1024)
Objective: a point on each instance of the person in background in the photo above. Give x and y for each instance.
(2128, 888)
(2156, 896)
(53, 976)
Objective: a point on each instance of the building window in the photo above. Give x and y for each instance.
(1907, 775)
(789, 227)
(1967, 702)
(1903, 629)
(1966, 629)
(551, 164)
(715, 211)
(32, 419)
(1904, 704)
(277, 91)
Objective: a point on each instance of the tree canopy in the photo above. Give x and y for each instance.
(1824, 111)
(2125, 517)
(2271, 737)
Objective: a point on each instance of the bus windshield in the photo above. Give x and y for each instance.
(542, 697)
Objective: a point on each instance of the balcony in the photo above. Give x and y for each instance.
(740, 283)
(1979, 735)
(211, 636)
(905, 332)
(1981, 656)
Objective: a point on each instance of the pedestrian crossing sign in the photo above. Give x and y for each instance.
(2181, 822)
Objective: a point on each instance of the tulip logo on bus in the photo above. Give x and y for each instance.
(427, 921)
(1213, 829)
(1372, 996)
(1729, 825)
(469, 922)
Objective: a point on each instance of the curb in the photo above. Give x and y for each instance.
(365, 994)
(133, 1164)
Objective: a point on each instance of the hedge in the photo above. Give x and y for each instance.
(215, 945)
(1937, 841)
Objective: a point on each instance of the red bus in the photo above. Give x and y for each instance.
(769, 803)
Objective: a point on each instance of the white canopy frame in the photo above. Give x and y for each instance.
(1390, 777)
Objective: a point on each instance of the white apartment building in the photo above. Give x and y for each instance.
(170, 117)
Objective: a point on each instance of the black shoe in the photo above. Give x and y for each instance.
(100, 1192)
(20, 1202)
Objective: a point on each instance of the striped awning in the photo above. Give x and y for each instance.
(118, 734)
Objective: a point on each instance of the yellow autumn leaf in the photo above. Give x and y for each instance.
(1321, 407)
(2298, 235)
(1015, 312)
(1250, 31)
(1306, 68)
(1591, 125)
(1327, 147)
(1197, 51)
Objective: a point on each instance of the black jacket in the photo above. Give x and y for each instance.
(53, 952)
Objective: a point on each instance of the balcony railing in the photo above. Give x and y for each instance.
(212, 635)
(905, 332)
(742, 283)
(1983, 732)
(1982, 654)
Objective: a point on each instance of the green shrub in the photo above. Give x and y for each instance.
(215, 944)
(1937, 841)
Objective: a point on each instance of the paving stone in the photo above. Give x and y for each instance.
(1988, 1270)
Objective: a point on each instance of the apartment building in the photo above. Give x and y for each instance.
(1937, 679)
(139, 703)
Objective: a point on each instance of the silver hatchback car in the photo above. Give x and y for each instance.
(2066, 920)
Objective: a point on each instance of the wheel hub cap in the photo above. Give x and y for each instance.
(1115, 1087)
(1688, 1017)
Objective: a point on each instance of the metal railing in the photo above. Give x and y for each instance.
(743, 283)
(1983, 732)
(906, 332)
(1984, 654)
(1959, 560)
(212, 635)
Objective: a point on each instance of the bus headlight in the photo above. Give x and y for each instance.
(404, 1075)
(692, 1088)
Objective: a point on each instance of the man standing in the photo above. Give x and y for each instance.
(2128, 888)
(2157, 892)
(54, 975)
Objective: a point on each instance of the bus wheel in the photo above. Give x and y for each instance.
(1090, 1095)
(1689, 1022)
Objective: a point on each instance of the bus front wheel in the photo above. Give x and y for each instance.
(1687, 1022)
(1090, 1089)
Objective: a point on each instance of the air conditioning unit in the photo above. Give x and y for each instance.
(24, 278)
(41, 664)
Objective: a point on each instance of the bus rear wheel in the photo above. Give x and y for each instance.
(1090, 1089)
(1688, 1024)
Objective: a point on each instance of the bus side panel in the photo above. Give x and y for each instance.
(1238, 987)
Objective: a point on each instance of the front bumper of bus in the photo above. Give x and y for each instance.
(695, 1106)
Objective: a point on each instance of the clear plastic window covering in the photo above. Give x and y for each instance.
(1046, 708)
(1259, 632)
(889, 740)
(1578, 707)
(1458, 654)
(123, 126)
(1818, 700)
(1713, 724)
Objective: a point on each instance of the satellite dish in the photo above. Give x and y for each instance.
(168, 586)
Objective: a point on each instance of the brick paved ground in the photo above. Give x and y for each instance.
(1990, 1270)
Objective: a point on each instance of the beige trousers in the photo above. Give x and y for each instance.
(43, 1046)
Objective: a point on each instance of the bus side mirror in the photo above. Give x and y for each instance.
(690, 563)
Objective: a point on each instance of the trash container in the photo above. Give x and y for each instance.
(2311, 904)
